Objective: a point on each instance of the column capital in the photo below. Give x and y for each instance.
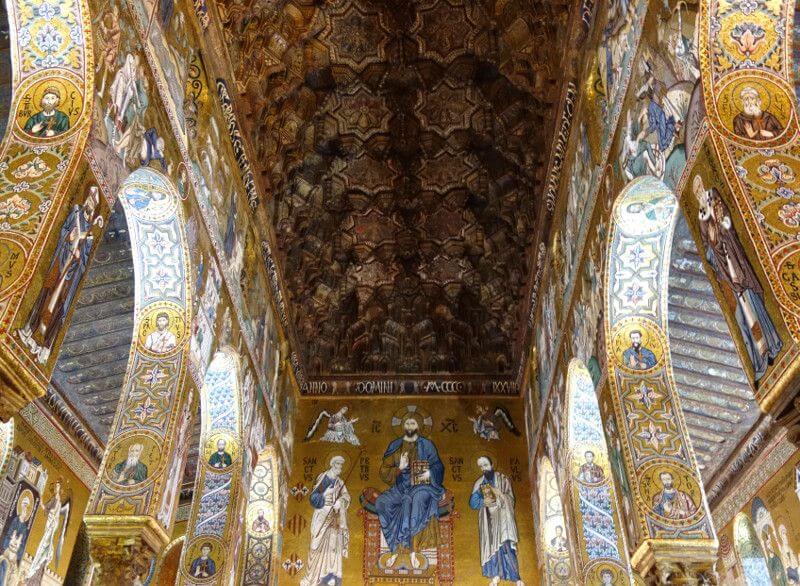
(695, 573)
(672, 553)
(123, 548)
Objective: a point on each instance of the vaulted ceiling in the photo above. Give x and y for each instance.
(404, 147)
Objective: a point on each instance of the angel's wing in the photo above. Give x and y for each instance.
(64, 514)
(502, 415)
(312, 429)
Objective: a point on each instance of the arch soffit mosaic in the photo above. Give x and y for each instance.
(52, 64)
(147, 421)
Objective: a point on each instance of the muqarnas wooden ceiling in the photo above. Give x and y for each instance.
(404, 146)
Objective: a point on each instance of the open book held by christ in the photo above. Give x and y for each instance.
(417, 468)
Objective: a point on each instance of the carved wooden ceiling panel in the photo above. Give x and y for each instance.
(405, 146)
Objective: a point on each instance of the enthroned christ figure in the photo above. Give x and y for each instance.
(408, 509)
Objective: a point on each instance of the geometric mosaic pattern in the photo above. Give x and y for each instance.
(137, 463)
(659, 461)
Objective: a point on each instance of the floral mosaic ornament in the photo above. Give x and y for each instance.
(52, 82)
(135, 471)
(659, 461)
(745, 60)
(749, 90)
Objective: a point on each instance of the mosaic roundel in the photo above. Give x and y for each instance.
(203, 558)
(220, 451)
(50, 107)
(148, 203)
(162, 329)
(647, 208)
(599, 573)
(756, 109)
(133, 459)
(638, 345)
(671, 493)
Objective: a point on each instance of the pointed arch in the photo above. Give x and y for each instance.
(601, 546)
(553, 539)
(168, 562)
(214, 533)
(39, 154)
(262, 520)
(749, 552)
(659, 459)
(139, 460)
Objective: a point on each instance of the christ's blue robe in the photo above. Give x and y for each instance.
(405, 510)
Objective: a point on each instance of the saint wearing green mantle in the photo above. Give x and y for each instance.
(49, 121)
(220, 458)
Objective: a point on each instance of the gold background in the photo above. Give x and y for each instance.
(29, 441)
(458, 451)
(783, 503)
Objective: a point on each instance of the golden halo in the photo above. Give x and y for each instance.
(26, 494)
(763, 93)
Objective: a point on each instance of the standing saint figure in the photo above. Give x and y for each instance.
(409, 509)
(48, 121)
(62, 278)
(330, 535)
(727, 257)
(671, 502)
(14, 539)
(57, 514)
(493, 498)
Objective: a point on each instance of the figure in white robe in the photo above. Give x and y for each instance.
(493, 498)
(330, 536)
(48, 549)
(161, 340)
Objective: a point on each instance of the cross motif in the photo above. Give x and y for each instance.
(646, 395)
(144, 410)
(653, 435)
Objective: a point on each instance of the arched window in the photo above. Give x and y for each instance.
(554, 553)
(262, 520)
(748, 548)
(601, 550)
(214, 535)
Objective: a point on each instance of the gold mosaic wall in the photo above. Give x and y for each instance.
(460, 434)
